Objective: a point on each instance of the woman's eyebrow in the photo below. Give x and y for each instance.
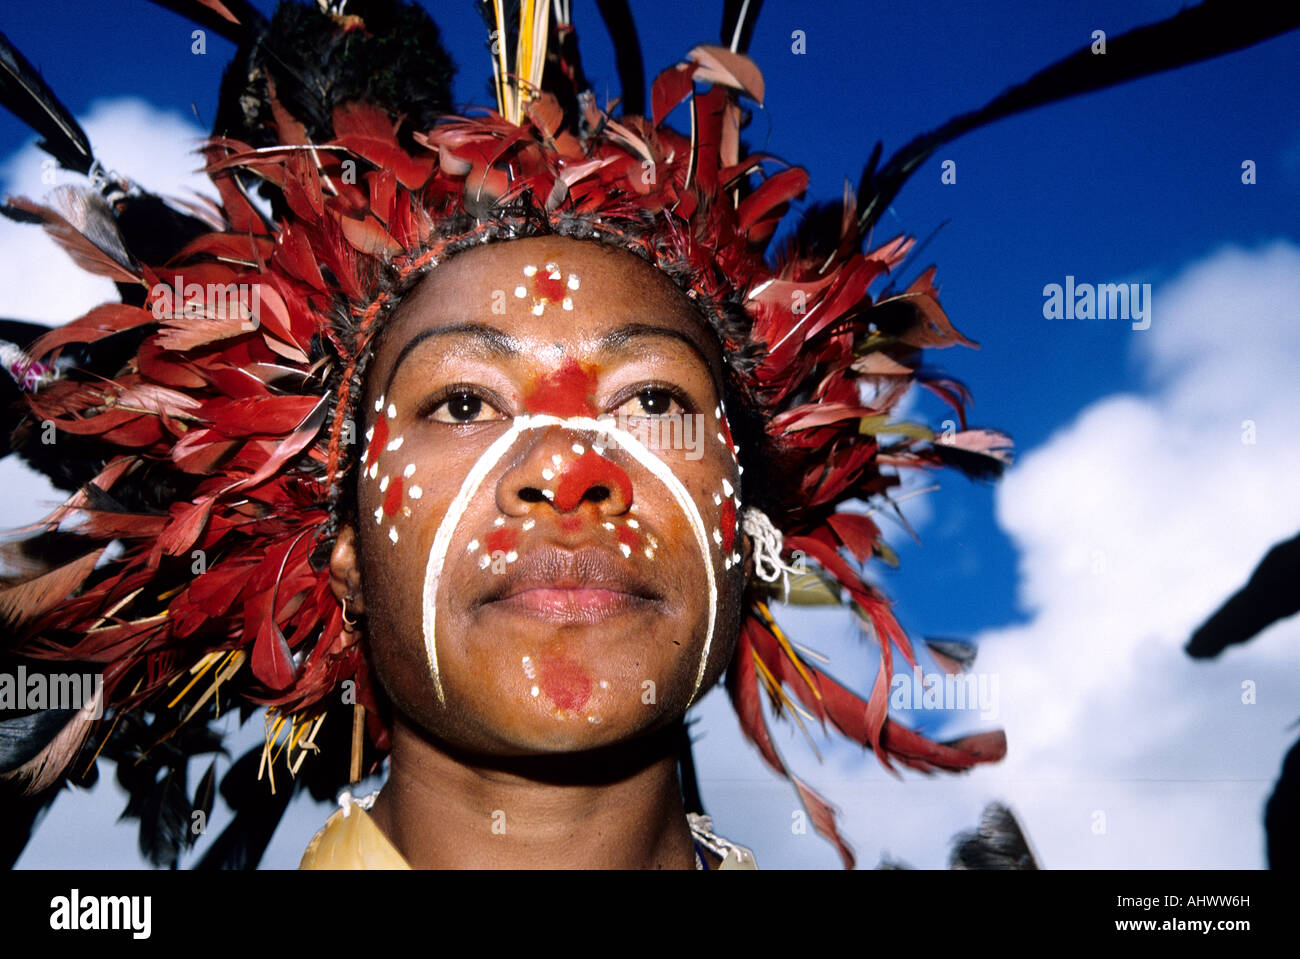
(616, 339)
(492, 341)
(495, 342)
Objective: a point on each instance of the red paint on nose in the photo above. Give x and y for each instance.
(568, 391)
(728, 524)
(546, 288)
(502, 539)
(588, 471)
(564, 683)
(378, 440)
(393, 498)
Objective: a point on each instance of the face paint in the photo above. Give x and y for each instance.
(564, 682)
(489, 460)
(569, 391)
(546, 286)
(393, 488)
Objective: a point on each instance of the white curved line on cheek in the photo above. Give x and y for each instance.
(446, 529)
(442, 540)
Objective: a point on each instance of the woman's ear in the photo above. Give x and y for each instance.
(345, 570)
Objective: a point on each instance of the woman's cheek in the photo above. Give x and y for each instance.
(392, 482)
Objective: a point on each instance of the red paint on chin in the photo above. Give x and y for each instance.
(393, 498)
(588, 471)
(568, 391)
(502, 539)
(728, 524)
(565, 683)
(378, 440)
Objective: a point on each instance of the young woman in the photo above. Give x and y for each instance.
(535, 608)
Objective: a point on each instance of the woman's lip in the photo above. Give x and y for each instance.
(582, 604)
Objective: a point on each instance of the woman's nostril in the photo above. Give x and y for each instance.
(530, 494)
(597, 494)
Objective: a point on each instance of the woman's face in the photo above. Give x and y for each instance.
(548, 510)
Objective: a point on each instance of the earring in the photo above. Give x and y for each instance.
(348, 624)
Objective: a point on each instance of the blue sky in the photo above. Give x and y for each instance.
(1130, 456)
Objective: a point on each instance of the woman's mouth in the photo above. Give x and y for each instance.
(578, 604)
(586, 585)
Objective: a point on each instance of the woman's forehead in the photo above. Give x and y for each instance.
(547, 296)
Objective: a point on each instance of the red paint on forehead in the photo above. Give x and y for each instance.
(393, 498)
(502, 539)
(545, 288)
(565, 683)
(378, 440)
(728, 524)
(590, 470)
(568, 391)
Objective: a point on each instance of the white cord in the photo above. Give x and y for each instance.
(768, 544)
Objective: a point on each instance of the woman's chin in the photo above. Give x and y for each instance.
(571, 716)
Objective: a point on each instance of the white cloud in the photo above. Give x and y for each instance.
(1133, 523)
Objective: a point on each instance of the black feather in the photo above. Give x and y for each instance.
(1213, 28)
(26, 95)
(960, 651)
(164, 818)
(998, 843)
(731, 14)
(627, 54)
(23, 737)
(1273, 593)
(396, 62)
(258, 812)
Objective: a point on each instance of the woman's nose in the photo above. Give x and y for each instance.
(565, 468)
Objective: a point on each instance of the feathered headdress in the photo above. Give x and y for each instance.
(208, 442)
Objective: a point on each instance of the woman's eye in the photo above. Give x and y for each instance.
(463, 407)
(651, 401)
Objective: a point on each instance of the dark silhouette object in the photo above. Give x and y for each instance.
(998, 843)
(1282, 815)
(1272, 594)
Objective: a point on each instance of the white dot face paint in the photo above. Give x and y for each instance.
(546, 286)
(488, 461)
